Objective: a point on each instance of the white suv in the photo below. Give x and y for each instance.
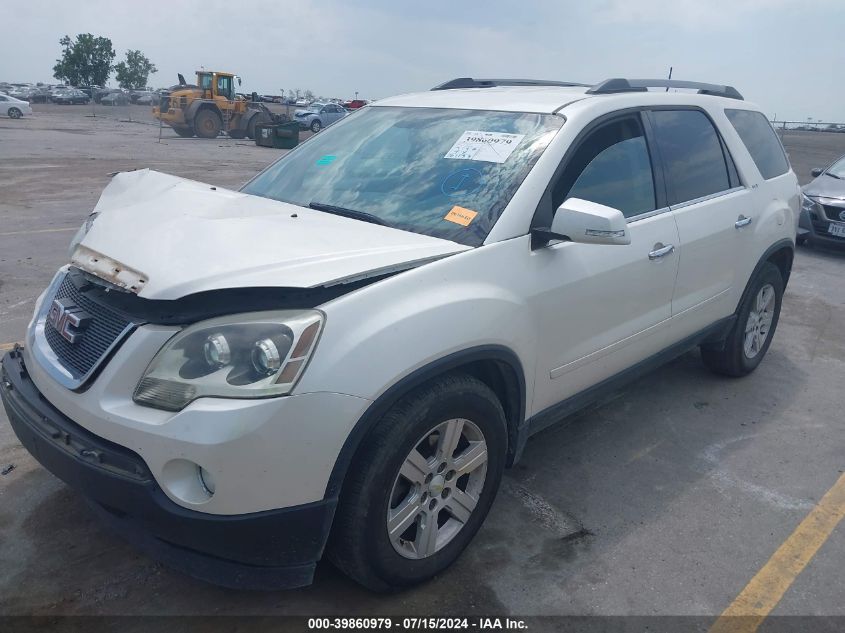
(347, 353)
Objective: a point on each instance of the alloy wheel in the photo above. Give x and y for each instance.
(759, 323)
(437, 488)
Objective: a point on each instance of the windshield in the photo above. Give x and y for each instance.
(315, 106)
(837, 169)
(440, 172)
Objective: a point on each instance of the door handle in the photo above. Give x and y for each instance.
(742, 221)
(663, 251)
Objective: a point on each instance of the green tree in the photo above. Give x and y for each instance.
(86, 61)
(135, 71)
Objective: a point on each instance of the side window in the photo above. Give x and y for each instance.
(761, 140)
(692, 154)
(2, 98)
(611, 167)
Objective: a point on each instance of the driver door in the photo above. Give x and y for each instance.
(602, 308)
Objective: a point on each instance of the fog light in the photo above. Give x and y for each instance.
(206, 480)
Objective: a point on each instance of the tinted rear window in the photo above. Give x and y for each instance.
(692, 154)
(761, 140)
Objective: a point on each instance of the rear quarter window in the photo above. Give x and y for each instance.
(761, 141)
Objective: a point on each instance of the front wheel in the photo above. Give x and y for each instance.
(316, 125)
(421, 485)
(14, 113)
(751, 335)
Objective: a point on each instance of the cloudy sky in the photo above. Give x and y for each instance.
(786, 55)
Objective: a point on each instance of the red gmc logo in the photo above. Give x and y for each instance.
(68, 319)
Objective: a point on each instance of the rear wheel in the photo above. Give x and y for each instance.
(421, 484)
(14, 113)
(185, 131)
(207, 124)
(757, 318)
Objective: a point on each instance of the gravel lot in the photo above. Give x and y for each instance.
(667, 499)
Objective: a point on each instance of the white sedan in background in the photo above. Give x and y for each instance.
(14, 108)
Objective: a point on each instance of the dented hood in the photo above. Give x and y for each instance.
(165, 237)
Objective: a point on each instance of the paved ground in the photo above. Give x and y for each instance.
(667, 499)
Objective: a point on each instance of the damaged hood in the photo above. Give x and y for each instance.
(165, 237)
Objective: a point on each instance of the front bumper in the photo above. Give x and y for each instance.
(263, 550)
(816, 229)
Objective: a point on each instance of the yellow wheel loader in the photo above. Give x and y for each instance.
(210, 107)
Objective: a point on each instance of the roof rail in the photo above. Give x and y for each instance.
(469, 82)
(612, 86)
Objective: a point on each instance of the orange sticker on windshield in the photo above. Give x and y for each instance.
(461, 216)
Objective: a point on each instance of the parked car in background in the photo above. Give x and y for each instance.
(823, 206)
(354, 104)
(319, 115)
(71, 97)
(115, 99)
(146, 99)
(14, 108)
(136, 96)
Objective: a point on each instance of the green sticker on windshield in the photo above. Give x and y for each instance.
(328, 159)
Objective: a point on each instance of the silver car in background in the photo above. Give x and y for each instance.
(319, 115)
(822, 217)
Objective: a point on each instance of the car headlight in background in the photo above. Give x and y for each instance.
(809, 205)
(256, 355)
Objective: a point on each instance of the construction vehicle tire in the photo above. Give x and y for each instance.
(207, 123)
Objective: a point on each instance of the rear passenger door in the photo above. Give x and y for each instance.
(713, 212)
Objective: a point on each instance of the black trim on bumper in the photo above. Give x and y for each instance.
(263, 550)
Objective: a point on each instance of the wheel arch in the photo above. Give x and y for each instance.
(781, 254)
(199, 104)
(496, 366)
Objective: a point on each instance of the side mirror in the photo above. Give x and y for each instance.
(816, 172)
(585, 222)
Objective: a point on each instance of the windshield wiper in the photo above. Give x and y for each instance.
(347, 213)
(827, 173)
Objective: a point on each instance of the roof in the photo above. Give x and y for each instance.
(541, 99)
(519, 95)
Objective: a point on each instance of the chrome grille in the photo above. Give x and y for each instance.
(105, 329)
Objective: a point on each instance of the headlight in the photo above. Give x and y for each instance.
(82, 232)
(256, 355)
(808, 204)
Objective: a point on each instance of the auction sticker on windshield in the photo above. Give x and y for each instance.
(490, 147)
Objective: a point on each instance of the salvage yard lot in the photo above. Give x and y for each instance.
(666, 499)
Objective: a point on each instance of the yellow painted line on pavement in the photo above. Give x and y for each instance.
(5, 347)
(747, 612)
(38, 231)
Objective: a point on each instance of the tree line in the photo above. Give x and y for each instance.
(87, 61)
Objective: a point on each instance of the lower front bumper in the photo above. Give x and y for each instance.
(816, 230)
(263, 550)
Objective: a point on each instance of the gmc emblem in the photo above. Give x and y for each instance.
(67, 319)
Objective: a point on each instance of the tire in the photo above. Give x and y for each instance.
(316, 125)
(751, 335)
(800, 240)
(360, 544)
(207, 124)
(185, 132)
(255, 120)
(15, 113)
